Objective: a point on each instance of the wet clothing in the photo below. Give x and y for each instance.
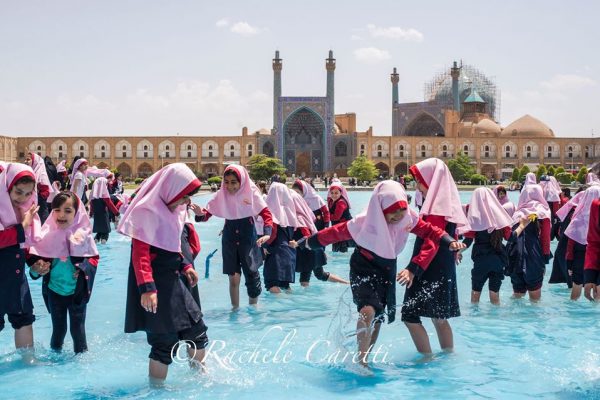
(280, 262)
(575, 257)
(527, 258)
(591, 268)
(488, 262)
(308, 261)
(559, 263)
(15, 297)
(340, 212)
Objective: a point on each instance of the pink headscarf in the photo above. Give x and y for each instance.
(10, 175)
(370, 230)
(530, 179)
(305, 216)
(148, 217)
(124, 203)
(281, 205)
(39, 169)
(98, 172)
(578, 228)
(566, 209)
(76, 166)
(551, 189)
(505, 201)
(486, 213)
(61, 166)
(76, 240)
(592, 179)
(338, 185)
(531, 201)
(442, 197)
(100, 189)
(310, 195)
(246, 202)
(418, 198)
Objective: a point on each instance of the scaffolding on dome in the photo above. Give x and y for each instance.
(439, 89)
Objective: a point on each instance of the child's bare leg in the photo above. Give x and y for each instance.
(576, 291)
(157, 371)
(337, 279)
(234, 290)
(495, 297)
(375, 333)
(419, 336)
(363, 333)
(304, 284)
(518, 295)
(444, 332)
(197, 358)
(275, 289)
(475, 296)
(535, 295)
(24, 337)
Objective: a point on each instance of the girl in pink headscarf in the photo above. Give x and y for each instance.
(381, 232)
(78, 179)
(339, 209)
(433, 293)
(315, 202)
(529, 245)
(101, 207)
(577, 239)
(309, 262)
(19, 228)
(502, 196)
(490, 224)
(67, 258)
(44, 186)
(161, 298)
(591, 267)
(239, 201)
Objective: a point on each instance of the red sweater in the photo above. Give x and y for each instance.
(431, 235)
(545, 228)
(109, 204)
(592, 253)
(12, 236)
(340, 207)
(326, 216)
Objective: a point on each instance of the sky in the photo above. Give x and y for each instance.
(143, 67)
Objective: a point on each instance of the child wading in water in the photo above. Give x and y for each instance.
(433, 293)
(489, 225)
(339, 209)
(19, 229)
(67, 257)
(380, 233)
(309, 203)
(529, 245)
(238, 201)
(591, 269)
(577, 233)
(101, 207)
(160, 300)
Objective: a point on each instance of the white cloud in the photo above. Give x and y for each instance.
(568, 81)
(223, 22)
(371, 55)
(244, 29)
(395, 32)
(356, 37)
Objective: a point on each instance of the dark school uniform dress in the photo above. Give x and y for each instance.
(178, 315)
(280, 261)
(240, 252)
(322, 217)
(373, 278)
(340, 212)
(308, 261)
(488, 263)
(43, 192)
(555, 221)
(101, 209)
(575, 257)
(528, 255)
(75, 304)
(591, 267)
(433, 293)
(559, 263)
(15, 297)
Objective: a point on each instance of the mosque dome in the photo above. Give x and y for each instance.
(528, 126)
(488, 126)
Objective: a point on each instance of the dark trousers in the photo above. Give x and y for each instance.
(59, 307)
(101, 236)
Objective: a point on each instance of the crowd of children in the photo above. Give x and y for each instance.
(286, 231)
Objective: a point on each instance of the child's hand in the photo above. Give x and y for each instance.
(459, 257)
(192, 276)
(293, 244)
(41, 267)
(76, 274)
(524, 222)
(405, 277)
(149, 302)
(29, 215)
(456, 246)
(262, 240)
(199, 211)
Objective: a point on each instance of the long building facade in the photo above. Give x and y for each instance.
(459, 116)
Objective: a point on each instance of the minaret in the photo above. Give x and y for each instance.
(327, 148)
(395, 78)
(330, 66)
(455, 73)
(277, 67)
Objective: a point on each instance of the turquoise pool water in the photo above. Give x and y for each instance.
(516, 350)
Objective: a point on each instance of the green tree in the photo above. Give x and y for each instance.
(363, 169)
(551, 170)
(215, 179)
(461, 168)
(524, 171)
(516, 175)
(477, 179)
(581, 175)
(565, 178)
(559, 170)
(541, 171)
(261, 167)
